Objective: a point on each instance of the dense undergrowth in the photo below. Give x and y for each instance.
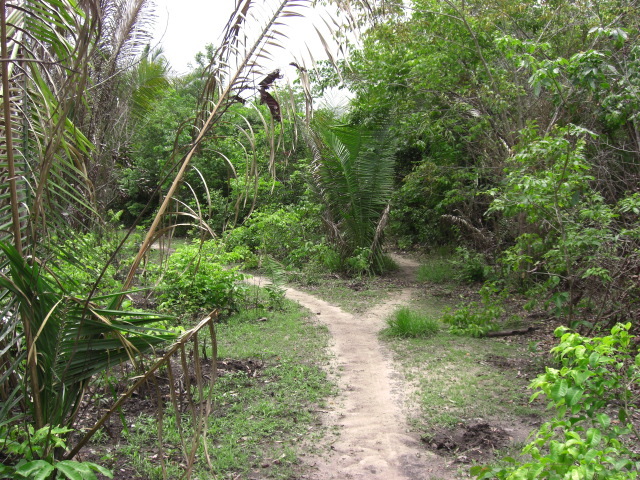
(503, 135)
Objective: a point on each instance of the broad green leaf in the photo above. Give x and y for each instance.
(573, 396)
(35, 470)
(75, 470)
(99, 468)
(594, 437)
(559, 390)
(603, 419)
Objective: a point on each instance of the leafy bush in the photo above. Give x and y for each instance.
(408, 323)
(289, 235)
(33, 452)
(582, 441)
(477, 318)
(470, 266)
(196, 279)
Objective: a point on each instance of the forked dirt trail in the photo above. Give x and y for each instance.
(373, 439)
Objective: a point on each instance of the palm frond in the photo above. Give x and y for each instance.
(68, 340)
(353, 178)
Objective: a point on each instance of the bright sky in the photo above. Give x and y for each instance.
(184, 27)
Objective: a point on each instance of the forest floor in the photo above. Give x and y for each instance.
(419, 409)
(373, 434)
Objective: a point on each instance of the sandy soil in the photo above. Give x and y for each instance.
(373, 440)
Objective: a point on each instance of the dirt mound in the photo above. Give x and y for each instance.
(469, 442)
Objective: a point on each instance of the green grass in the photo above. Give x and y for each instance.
(455, 383)
(437, 270)
(260, 422)
(406, 323)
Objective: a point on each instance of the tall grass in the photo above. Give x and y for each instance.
(408, 323)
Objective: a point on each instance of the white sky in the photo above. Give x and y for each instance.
(184, 27)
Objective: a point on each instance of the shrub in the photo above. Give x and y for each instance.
(289, 235)
(408, 323)
(196, 279)
(470, 266)
(582, 441)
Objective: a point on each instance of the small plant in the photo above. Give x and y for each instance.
(33, 455)
(477, 318)
(408, 323)
(582, 441)
(360, 262)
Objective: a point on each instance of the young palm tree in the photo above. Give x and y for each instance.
(353, 178)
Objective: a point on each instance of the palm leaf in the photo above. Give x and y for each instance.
(353, 177)
(70, 340)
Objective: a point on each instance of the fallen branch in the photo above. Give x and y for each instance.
(508, 333)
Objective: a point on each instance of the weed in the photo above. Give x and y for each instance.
(409, 323)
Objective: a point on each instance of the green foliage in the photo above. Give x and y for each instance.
(197, 279)
(470, 266)
(476, 319)
(582, 440)
(290, 235)
(353, 180)
(411, 324)
(31, 455)
(550, 184)
(82, 258)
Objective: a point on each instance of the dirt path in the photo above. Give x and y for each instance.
(373, 439)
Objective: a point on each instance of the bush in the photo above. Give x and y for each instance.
(196, 279)
(289, 235)
(408, 323)
(582, 441)
(470, 266)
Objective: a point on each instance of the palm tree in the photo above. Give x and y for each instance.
(51, 342)
(352, 175)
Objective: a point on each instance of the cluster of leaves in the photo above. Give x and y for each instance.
(196, 279)
(35, 453)
(582, 440)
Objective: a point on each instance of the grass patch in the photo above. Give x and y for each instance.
(407, 323)
(437, 270)
(260, 421)
(456, 383)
